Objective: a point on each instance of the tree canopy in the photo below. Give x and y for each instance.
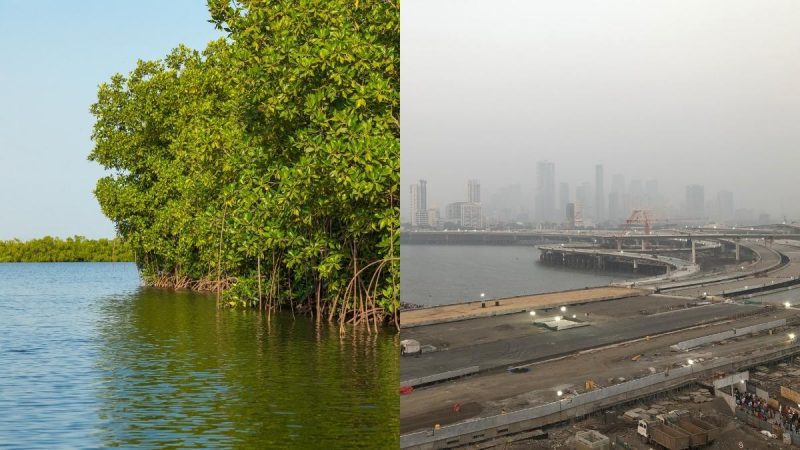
(266, 165)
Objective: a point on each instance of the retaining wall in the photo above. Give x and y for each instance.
(703, 340)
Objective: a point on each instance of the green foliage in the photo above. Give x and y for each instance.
(72, 249)
(274, 151)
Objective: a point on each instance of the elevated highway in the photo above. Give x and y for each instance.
(537, 237)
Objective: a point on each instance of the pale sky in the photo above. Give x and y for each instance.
(53, 54)
(685, 92)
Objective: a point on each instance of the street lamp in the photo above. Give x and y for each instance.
(791, 336)
(533, 313)
(787, 304)
(563, 309)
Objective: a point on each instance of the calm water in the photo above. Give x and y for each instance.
(89, 359)
(441, 274)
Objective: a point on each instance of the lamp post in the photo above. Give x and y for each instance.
(559, 394)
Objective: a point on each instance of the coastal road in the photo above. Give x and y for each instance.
(768, 258)
(540, 344)
(488, 394)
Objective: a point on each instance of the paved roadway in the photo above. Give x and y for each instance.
(785, 273)
(487, 394)
(468, 333)
(542, 345)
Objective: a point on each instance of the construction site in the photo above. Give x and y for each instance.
(636, 364)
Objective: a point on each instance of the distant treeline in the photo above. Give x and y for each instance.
(72, 249)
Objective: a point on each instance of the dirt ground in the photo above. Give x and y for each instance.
(473, 309)
(498, 391)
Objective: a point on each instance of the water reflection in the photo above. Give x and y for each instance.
(89, 360)
(178, 371)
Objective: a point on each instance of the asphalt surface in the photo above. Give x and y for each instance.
(490, 393)
(540, 345)
(472, 332)
(768, 258)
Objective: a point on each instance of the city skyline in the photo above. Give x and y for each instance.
(511, 84)
(511, 203)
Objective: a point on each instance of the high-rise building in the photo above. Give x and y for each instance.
(616, 212)
(544, 209)
(423, 194)
(570, 212)
(433, 217)
(695, 202)
(599, 195)
(473, 191)
(414, 195)
(563, 198)
(725, 208)
(466, 214)
(419, 202)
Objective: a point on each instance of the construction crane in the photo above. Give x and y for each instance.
(640, 217)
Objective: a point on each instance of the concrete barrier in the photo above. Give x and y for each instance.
(717, 337)
(484, 428)
(458, 373)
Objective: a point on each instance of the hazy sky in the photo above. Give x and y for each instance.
(682, 91)
(53, 54)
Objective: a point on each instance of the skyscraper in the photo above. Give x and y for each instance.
(599, 195)
(473, 191)
(419, 204)
(545, 191)
(570, 211)
(423, 195)
(695, 202)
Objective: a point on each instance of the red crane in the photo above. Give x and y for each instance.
(640, 217)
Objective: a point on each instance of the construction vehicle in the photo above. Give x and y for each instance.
(712, 431)
(696, 432)
(663, 434)
(697, 435)
(590, 385)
